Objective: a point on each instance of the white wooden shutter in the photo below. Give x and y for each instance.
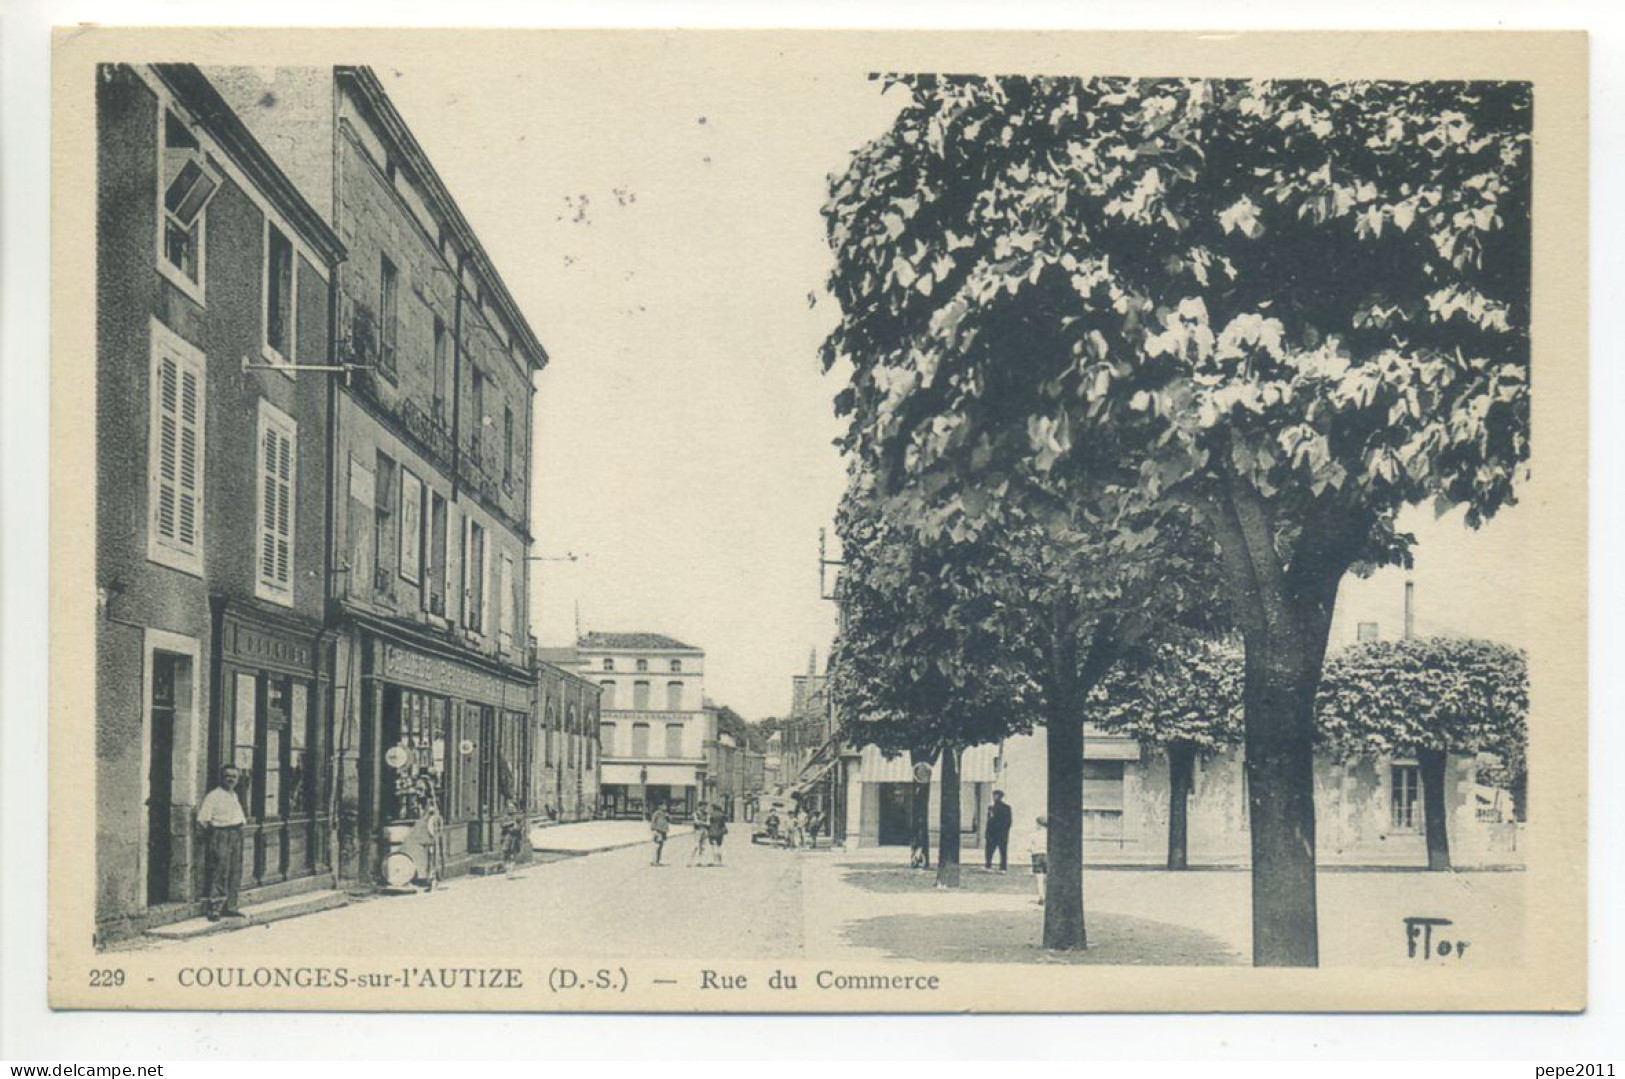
(277, 474)
(175, 471)
(485, 581)
(466, 558)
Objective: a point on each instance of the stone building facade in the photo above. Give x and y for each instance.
(213, 277)
(433, 676)
(566, 754)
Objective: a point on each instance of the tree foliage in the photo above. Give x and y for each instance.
(1396, 698)
(1184, 690)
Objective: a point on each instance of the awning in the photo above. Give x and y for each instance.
(976, 765)
(818, 767)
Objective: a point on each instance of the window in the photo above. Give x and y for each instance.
(441, 368)
(189, 183)
(383, 530)
(609, 693)
(271, 746)
(643, 664)
(278, 462)
(476, 432)
(476, 578)
(434, 558)
(640, 696)
(1366, 631)
(609, 664)
(676, 666)
(640, 739)
(1103, 800)
(281, 297)
(674, 696)
(387, 287)
(510, 603)
(411, 518)
(674, 739)
(175, 453)
(1405, 797)
(507, 444)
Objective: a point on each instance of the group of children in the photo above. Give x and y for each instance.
(710, 829)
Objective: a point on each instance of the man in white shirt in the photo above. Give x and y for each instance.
(221, 818)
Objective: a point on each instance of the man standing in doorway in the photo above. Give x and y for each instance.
(221, 818)
(998, 832)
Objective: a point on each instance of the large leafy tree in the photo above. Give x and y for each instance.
(1182, 695)
(1291, 307)
(930, 658)
(1427, 698)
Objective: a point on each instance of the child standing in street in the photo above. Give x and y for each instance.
(659, 825)
(1038, 848)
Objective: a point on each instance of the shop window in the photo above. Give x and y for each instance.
(278, 462)
(608, 697)
(640, 739)
(1103, 800)
(674, 739)
(387, 314)
(640, 696)
(273, 746)
(281, 296)
(301, 779)
(175, 464)
(189, 183)
(1405, 797)
(674, 696)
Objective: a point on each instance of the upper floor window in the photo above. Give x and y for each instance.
(278, 460)
(676, 666)
(188, 183)
(609, 664)
(441, 367)
(175, 453)
(608, 688)
(640, 696)
(674, 696)
(643, 664)
(281, 299)
(387, 313)
(476, 567)
(507, 444)
(476, 436)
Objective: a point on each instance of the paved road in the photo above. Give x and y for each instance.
(776, 904)
(611, 904)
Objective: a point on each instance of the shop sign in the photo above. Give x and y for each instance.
(439, 675)
(253, 647)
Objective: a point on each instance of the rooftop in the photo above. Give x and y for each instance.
(633, 642)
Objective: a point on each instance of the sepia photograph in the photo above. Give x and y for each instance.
(804, 521)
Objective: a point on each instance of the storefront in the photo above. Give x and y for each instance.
(443, 725)
(272, 723)
(633, 790)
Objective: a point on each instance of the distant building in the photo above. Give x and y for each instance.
(654, 724)
(565, 758)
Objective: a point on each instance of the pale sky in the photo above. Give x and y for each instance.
(658, 221)
(660, 227)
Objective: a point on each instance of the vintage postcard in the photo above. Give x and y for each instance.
(818, 521)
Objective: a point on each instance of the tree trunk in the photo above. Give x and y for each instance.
(1279, 700)
(1063, 884)
(1181, 765)
(1519, 792)
(1431, 763)
(948, 839)
(919, 813)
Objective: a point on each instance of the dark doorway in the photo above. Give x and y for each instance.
(896, 814)
(160, 776)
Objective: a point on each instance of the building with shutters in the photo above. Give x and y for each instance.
(654, 725)
(433, 672)
(566, 752)
(213, 278)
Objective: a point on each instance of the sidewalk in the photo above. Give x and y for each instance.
(592, 836)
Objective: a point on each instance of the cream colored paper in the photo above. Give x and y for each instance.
(1551, 973)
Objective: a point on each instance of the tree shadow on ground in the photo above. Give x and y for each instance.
(901, 878)
(998, 936)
